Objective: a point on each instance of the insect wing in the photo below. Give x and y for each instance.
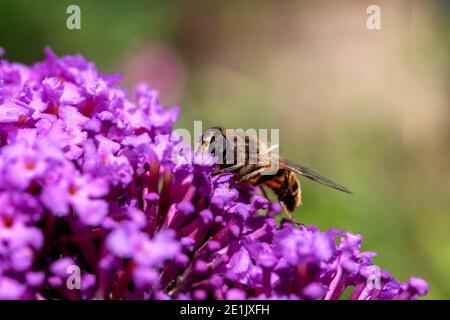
(312, 175)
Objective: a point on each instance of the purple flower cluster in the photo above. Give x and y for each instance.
(93, 205)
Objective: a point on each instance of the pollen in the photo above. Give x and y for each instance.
(22, 119)
(30, 165)
(73, 189)
(8, 222)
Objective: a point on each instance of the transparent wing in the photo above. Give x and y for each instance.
(311, 174)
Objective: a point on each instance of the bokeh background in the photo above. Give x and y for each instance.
(369, 109)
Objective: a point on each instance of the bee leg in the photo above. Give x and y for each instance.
(228, 169)
(264, 192)
(251, 175)
(288, 213)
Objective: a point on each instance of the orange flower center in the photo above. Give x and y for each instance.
(73, 190)
(30, 165)
(8, 222)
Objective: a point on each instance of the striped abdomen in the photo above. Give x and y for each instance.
(287, 187)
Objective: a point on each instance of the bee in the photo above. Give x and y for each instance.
(253, 162)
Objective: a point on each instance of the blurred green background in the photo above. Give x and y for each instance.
(369, 109)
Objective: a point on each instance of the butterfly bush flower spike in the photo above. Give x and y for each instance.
(87, 179)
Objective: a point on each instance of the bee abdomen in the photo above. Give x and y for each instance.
(292, 195)
(287, 187)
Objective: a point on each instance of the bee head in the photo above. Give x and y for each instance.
(214, 142)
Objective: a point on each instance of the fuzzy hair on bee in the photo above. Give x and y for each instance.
(252, 161)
